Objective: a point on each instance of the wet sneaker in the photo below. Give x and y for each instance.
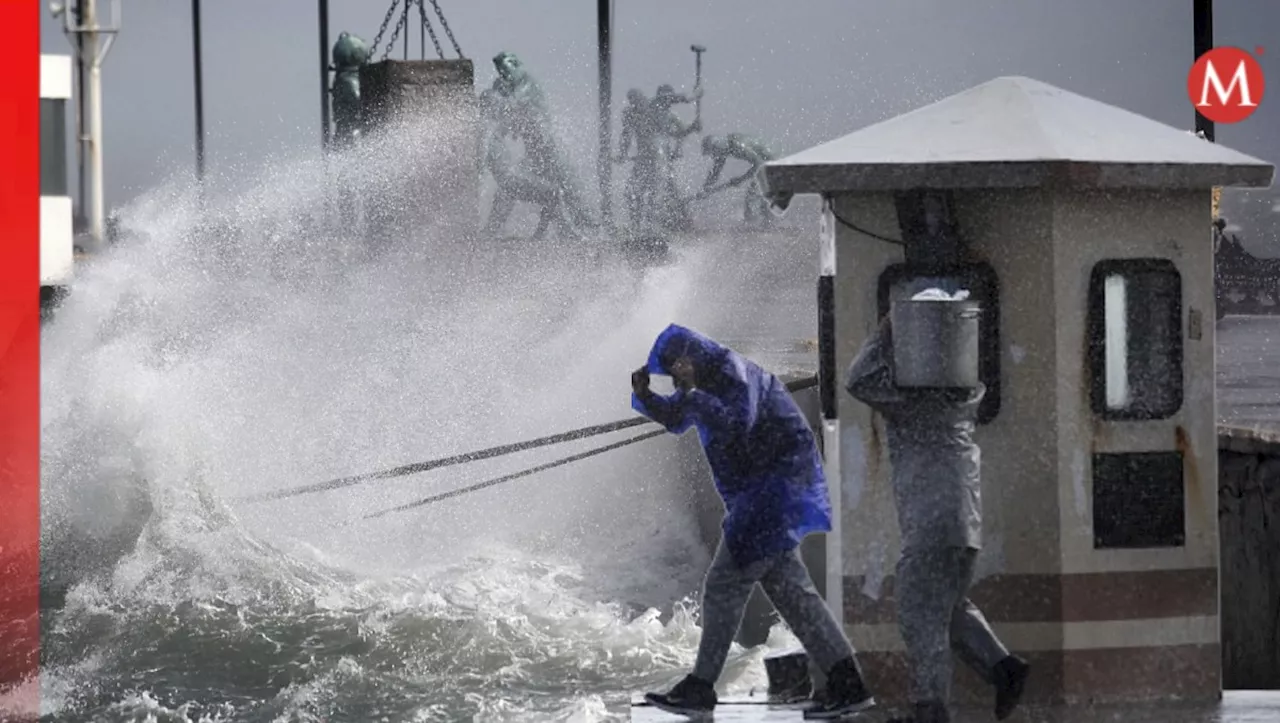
(844, 695)
(799, 693)
(1010, 677)
(691, 697)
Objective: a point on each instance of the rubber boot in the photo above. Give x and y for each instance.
(1010, 677)
(845, 693)
(692, 697)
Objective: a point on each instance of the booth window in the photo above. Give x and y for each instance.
(899, 280)
(53, 147)
(1135, 339)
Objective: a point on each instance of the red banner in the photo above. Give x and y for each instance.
(20, 358)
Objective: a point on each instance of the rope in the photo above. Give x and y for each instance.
(483, 454)
(516, 475)
(792, 387)
(417, 467)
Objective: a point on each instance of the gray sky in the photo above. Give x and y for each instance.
(819, 69)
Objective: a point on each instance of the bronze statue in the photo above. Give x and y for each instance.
(755, 207)
(653, 199)
(675, 211)
(524, 110)
(349, 54)
(514, 182)
(640, 125)
(671, 128)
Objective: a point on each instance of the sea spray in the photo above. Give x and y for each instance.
(231, 343)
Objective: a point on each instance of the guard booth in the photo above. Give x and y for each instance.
(1084, 231)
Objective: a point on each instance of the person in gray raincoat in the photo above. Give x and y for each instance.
(937, 491)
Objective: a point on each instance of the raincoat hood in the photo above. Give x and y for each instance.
(676, 341)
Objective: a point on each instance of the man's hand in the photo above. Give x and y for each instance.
(640, 381)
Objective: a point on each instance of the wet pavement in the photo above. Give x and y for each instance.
(1235, 707)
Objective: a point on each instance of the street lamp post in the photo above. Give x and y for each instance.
(1203, 28)
(604, 166)
(197, 65)
(323, 12)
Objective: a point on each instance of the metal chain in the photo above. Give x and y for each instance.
(445, 24)
(422, 13)
(382, 30)
(391, 44)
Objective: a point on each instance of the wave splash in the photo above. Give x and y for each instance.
(231, 343)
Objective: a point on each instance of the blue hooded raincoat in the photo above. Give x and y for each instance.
(762, 453)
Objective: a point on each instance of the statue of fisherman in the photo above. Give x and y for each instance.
(739, 146)
(514, 182)
(526, 112)
(349, 54)
(672, 132)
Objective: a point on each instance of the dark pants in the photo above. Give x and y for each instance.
(786, 582)
(936, 618)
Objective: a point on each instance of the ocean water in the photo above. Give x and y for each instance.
(1248, 371)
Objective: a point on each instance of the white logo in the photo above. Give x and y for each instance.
(1240, 78)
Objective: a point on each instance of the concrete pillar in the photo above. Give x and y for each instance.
(421, 125)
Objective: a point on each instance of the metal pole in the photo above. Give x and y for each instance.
(93, 102)
(406, 28)
(92, 42)
(323, 11)
(604, 30)
(828, 403)
(199, 86)
(82, 114)
(1203, 29)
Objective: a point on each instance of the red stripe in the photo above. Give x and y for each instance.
(20, 346)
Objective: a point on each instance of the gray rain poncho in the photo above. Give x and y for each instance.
(936, 464)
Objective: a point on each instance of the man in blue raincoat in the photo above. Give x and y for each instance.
(937, 491)
(767, 469)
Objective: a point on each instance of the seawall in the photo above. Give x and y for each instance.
(1249, 538)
